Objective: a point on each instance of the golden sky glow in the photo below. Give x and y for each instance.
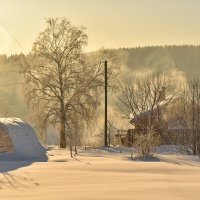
(110, 23)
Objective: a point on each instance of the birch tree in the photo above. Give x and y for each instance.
(61, 82)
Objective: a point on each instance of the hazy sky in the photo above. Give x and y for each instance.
(110, 23)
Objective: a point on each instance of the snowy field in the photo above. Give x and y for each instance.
(104, 174)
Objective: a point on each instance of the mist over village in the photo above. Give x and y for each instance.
(99, 100)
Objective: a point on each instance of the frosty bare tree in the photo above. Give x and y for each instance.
(60, 81)
(146, 98)
(146, 144)
(188, 114)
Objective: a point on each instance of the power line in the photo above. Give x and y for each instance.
(18, 43)
(7, 85)
(122, 130)
(11, 34)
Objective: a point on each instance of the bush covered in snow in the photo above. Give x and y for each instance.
(146, 143)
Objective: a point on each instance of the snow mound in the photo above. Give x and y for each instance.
(24, 141)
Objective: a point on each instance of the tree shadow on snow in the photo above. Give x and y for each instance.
(161, 159)
(60, 160)
(180, 162)
(9, 180)
(144, 158)
(76, 159)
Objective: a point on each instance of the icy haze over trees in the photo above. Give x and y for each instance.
(182, 62)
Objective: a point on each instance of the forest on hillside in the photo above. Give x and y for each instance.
(11, 82)
(159, 58)
(185, 58)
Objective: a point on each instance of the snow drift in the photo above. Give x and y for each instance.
(25, 145)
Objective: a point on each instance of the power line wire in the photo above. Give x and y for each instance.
(11, 34)
(6, 85)
(18, 43)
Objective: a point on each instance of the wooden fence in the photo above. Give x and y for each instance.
(168, 136)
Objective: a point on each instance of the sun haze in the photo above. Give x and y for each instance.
(109, 23)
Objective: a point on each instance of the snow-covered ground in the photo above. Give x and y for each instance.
(102, 173)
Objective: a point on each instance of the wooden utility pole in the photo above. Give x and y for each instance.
(106, 104)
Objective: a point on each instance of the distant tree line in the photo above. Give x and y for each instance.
(161, 58)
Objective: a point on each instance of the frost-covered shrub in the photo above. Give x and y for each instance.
(146, 143)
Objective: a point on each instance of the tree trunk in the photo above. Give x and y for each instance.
(75, 150)
(71, 151)
(62, 134)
